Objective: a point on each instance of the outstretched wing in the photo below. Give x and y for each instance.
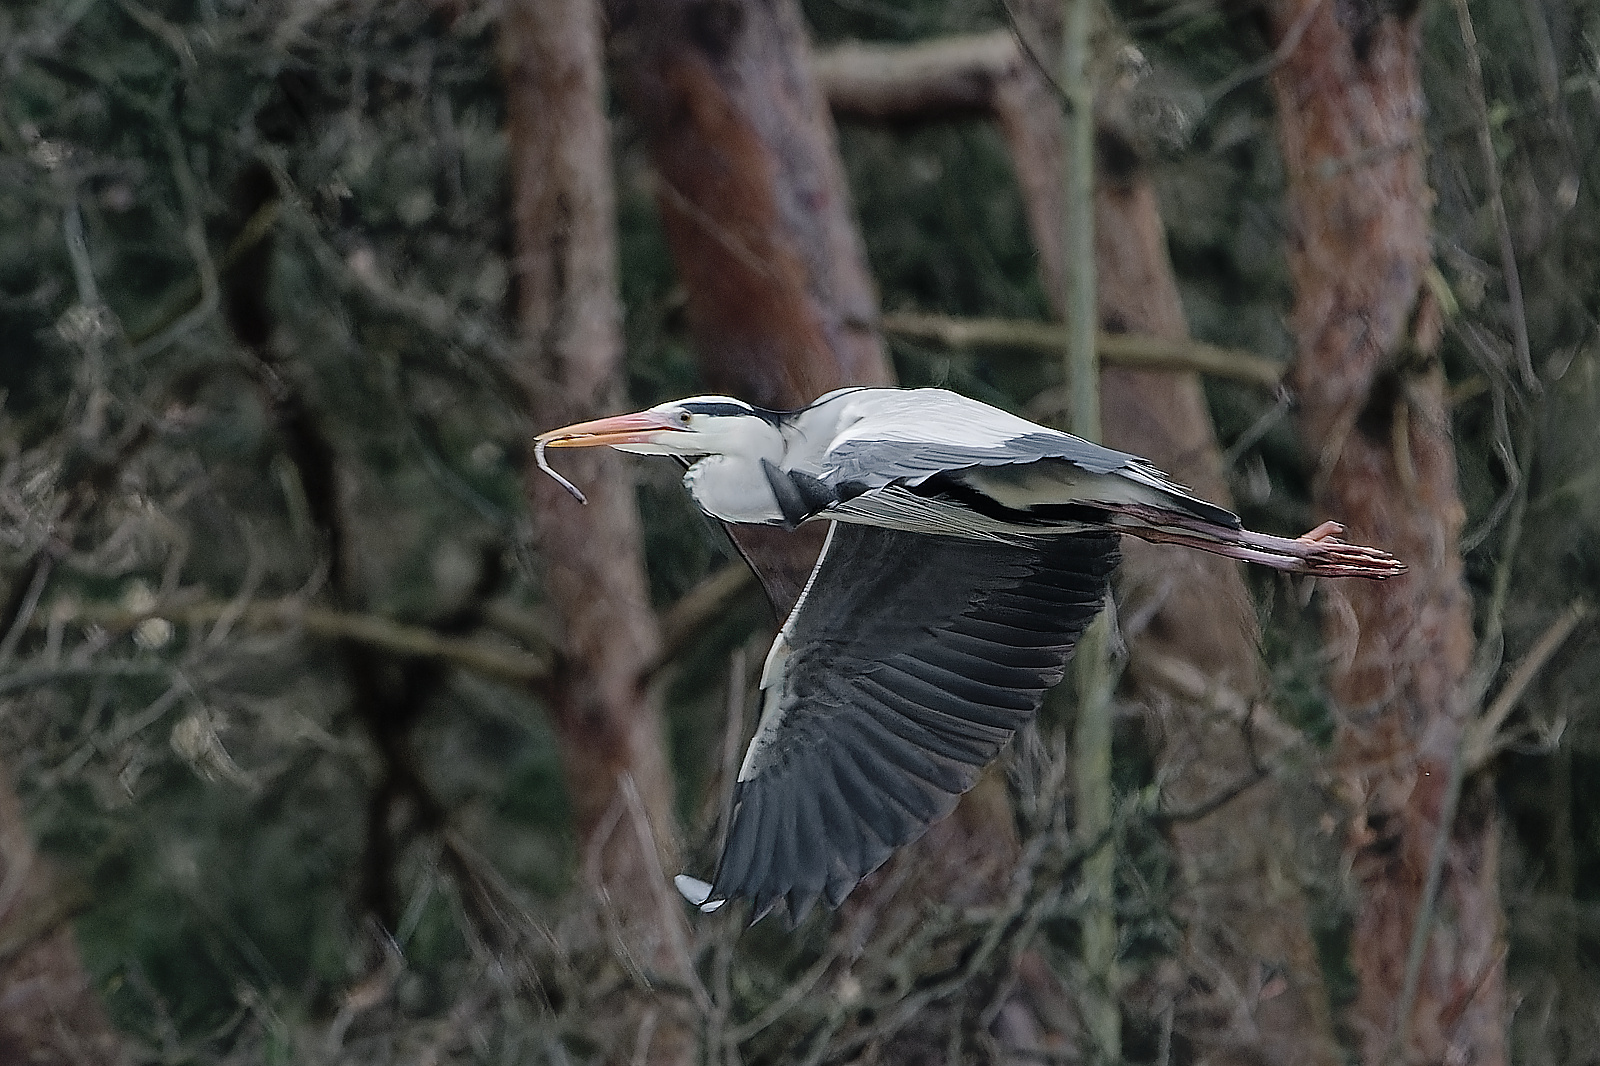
(908, 663)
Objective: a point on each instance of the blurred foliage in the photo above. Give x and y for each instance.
(169, 169)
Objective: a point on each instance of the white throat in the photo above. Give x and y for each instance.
(730, 483)
(733, 488)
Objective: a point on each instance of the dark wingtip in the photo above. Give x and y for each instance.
(798, 904)
(763, 905)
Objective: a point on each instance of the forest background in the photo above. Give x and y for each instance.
(329, 734)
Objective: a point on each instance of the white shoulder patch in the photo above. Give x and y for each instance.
(697, 892)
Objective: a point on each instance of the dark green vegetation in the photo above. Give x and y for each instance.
(221, 224)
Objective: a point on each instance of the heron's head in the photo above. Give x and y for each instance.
(698, 426)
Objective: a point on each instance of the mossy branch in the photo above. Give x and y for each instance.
(502, 664)
(1138, 351)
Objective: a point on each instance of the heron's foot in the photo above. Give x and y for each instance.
(1326, 531)
(1319, 553)
(1326, 555)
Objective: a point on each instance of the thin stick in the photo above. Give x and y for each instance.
(1497, 203)
(503, 664)
(666, 900)
(1400, 1036)
(44, 564)
(1140, 351)
(1480, 742)
(1280, 55)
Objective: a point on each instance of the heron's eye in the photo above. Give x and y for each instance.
(684, 418)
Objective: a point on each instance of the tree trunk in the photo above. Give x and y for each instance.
(1376, 427)
(608, 724)
(1194, 664)
(49, 1016)
(1248, 941)
(753, 198)
(782, 307)
(1257, 992)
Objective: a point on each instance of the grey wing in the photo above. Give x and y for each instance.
(908, 664)
(906, 437)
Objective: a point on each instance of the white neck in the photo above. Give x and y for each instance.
(733, 488)
(730, 483)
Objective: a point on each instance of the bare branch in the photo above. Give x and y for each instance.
(1139, 351)
(1482, 738)
(504, 664)
(1497, 203)
(931, 80)
(699, 605)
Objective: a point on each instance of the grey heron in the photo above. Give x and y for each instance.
(967, 550)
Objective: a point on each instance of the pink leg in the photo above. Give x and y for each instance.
(1319, 552)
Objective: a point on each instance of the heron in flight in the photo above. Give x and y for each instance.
(967, 550)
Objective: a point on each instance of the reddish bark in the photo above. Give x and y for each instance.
(1376, 426)
(753, 196)
(757, 213)
(1194, 665)
(49, 1015)
(1256, 994)
(608, 724)
(781, 305)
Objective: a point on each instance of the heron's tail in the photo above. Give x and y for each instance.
(1320, 552)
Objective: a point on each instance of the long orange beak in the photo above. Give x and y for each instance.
(618, 429)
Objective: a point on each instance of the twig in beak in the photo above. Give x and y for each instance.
(538, 457)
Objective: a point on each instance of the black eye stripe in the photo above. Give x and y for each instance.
(717, 409)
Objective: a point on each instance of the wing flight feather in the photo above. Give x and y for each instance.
(911, 661)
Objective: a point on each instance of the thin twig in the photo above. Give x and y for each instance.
(36, 677)
(731, 242)
(718, 1048)
(1481, 743)
(190, 296)
(194, 239)
(798, 989)
(1134, 350)
(504, 664)
(667, 902)
(44, 563)
(733, 735)
(1210, 805)
(1400, 1034)
(78, 253)
(1262, 67)
(1516, 470)
(1497, 204)
(1275, 414)
(48, 916)
(1034, 58)
(711, 598)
